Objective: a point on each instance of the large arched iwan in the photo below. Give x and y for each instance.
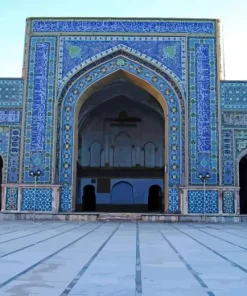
(90, 79)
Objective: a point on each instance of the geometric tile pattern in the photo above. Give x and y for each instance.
(10, 116)
(228, 202)
(12, 199)
(124, 26)
(39, 198)
(173, 200)
(76, 52)
(196, 201)
(14, 155)
(203, 106)
(11, 92)
(102, 70)
(227, 157)
(233, 95)
(4, 147)
(39, 109)
(234, 127)
(240, 137)
(65, 205)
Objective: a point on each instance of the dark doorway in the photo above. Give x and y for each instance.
(243, 185)
(89, 198)
(155, 199)
(1, 179)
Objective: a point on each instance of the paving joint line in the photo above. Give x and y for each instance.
(188, 266)
(30, 234)
(87, 265)
(222, 239)
(212, 250)
(21, 229)
(41, 241)
(138, 278)
(47, 258)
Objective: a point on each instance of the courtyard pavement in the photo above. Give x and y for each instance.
(122, 259)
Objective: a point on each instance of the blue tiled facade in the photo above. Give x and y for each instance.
(206, 117)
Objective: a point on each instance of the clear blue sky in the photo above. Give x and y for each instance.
(231, 12)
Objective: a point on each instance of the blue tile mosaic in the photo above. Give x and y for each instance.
(203, 106)
(228, 202)
(12, 199)
(125, 26)
(40, 107)
(227, 157)
(65, 205)
(14, 155)
(196, 201)
(10, 149)
(173, 100)
(173, 200)
(75, 52)
(11, 92)
(39, 199)
(234, 95)
(10, 116)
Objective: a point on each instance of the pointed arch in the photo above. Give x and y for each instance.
(94, 76)
(122, 150)
(95, 154)
(149, 154)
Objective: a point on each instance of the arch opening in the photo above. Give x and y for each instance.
(126, 126)
(155, 198)
(76, 95)
(243, 185)
(89, 198)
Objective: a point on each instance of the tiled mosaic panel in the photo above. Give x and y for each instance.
(233, 95)
(234, 119)
(40, 198)
(240, 137)
(76, 52)
(11, 92)
(14, 155)
(228, 202)
(4, 144)
(227, 157)
(39, 109)
(65, 205)
(125, 26)
(203, 105)
(12, 199)
(196, 201)
(10, 116)
(173, 200)
(104, 69)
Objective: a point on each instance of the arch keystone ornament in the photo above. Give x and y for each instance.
(100, 73)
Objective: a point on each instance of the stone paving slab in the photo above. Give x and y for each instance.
(122, 259)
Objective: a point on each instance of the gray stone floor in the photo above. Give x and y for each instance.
(122, 259)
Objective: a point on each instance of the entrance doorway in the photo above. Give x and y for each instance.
(243, 185)
(121, 130)
(155, 199)
(1, 180)
(89, 198)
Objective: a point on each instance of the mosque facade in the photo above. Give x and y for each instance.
(126, 115)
